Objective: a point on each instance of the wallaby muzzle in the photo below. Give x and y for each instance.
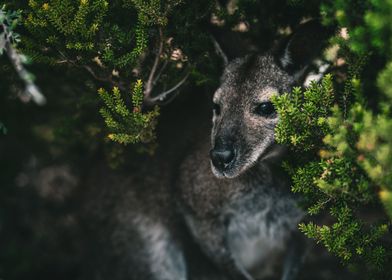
(223, 154)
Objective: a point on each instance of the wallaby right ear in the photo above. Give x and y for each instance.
(304, 45)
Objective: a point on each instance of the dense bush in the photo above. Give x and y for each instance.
(112, 62)
(350, 170)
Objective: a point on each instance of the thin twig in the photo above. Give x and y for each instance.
(160, 72)
(166, 96)
(89, 69)
(149, 84)
(108, 79)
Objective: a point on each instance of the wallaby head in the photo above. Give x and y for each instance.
(244, 117)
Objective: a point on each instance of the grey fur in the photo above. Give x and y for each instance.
(211, 224)
(245, 216)
(242, 214)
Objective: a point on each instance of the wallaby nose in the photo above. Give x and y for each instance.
(222, 156)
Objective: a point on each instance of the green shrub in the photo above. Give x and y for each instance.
(342, 126)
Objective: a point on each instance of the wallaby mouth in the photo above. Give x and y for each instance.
(223, 156)
(222, 160)
(224, 166)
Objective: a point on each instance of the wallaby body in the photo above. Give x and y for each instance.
(235, 198)
(230, 205)
(242, 212)
(242, 218)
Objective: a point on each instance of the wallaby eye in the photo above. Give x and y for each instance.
(216, 109)
(265, 109)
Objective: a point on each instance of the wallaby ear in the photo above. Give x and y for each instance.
(301, 47)
(230, 44)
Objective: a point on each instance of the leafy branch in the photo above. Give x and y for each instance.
(128, 127)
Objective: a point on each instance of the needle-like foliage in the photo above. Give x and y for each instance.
(128, 127)
(339, 130)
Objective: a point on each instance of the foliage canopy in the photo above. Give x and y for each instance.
(137, 53)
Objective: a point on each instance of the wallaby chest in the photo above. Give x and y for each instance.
(245, 222)
(259, 226)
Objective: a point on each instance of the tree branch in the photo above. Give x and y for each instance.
(90, 70)
(32, 92)
(150, 81)
(168, 95)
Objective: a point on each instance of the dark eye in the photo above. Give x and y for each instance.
(265, 109)
(216, 109)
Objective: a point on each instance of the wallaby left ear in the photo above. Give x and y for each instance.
(301, 47)
(229, 44)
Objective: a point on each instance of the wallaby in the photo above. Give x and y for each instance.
(228, 213)
(235, 199)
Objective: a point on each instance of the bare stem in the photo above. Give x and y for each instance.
(151, 77)
(168, 95)
(93, 73)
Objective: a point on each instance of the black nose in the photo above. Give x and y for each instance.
(222, 156)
